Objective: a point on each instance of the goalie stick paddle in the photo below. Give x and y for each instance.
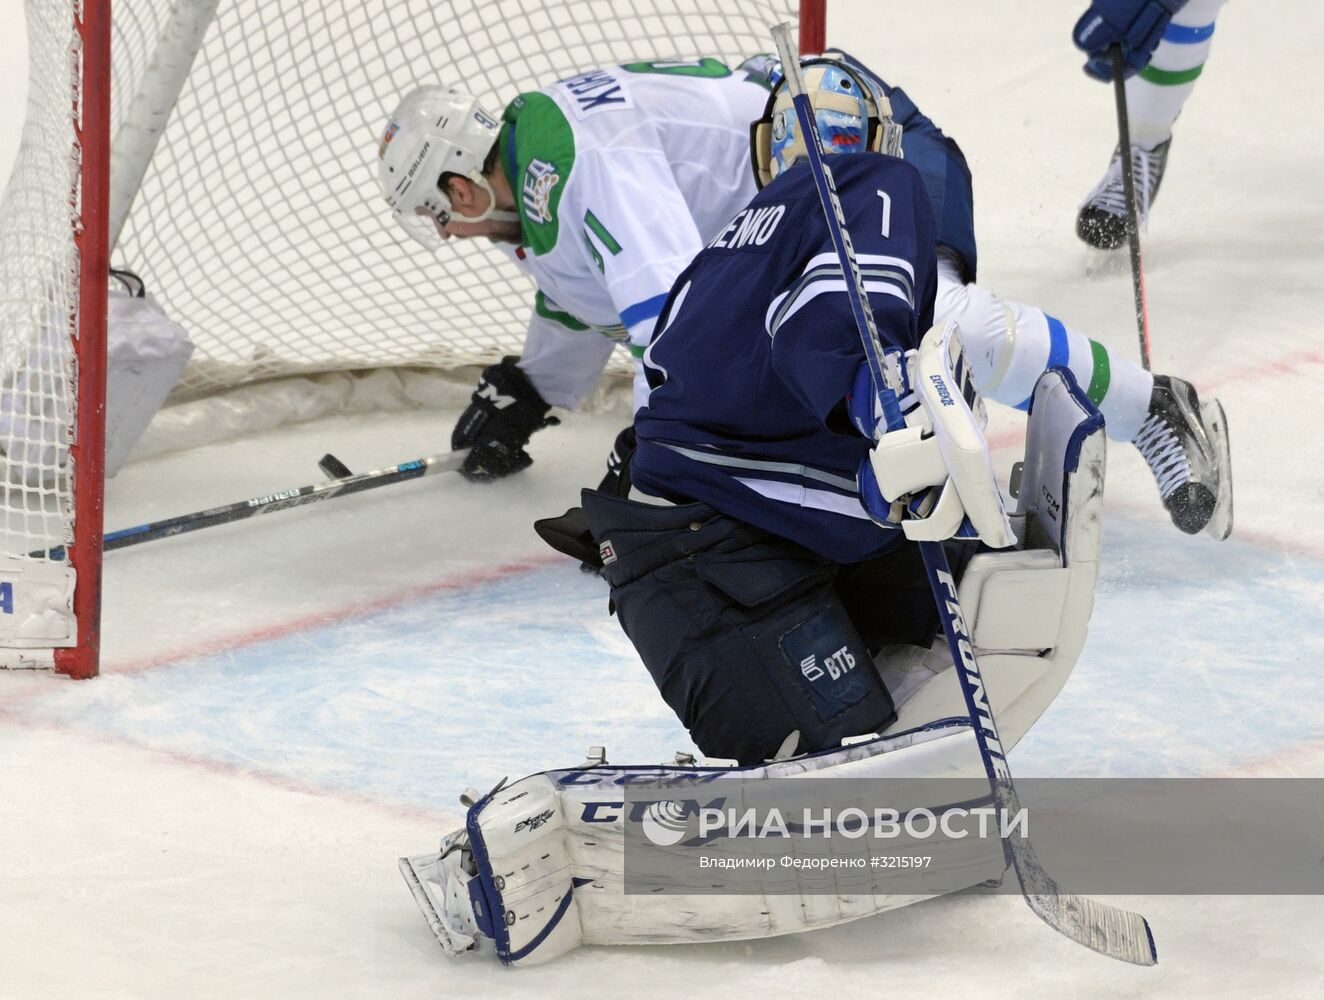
(1108, 930)
(301, 496)
(1129, 192)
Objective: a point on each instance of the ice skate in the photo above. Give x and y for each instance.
(1186, 446)
(1102, 219)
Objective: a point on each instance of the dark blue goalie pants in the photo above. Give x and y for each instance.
(750, 637)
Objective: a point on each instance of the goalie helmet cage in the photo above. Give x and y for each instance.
(225, 152)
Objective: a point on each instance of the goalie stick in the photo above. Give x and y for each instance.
(1129, 191)
(1106, 929)
(270, 503)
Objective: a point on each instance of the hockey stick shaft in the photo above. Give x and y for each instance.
(1108, 930)
(1132, 212)
(301, 496)
(884, 371)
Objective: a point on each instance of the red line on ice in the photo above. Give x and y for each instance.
(358, 609)
(224, 769)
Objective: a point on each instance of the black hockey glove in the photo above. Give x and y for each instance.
(617, 480)
(503, 413)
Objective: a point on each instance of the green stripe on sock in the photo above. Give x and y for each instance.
(1102, 376)
(1170, 77)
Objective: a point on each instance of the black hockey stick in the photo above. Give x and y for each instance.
(1129, 190)
(1106, 929)
(285, 499)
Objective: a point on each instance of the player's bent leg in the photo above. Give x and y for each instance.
(742, 631)
(1010, 344)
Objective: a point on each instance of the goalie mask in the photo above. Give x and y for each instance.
(850, 107)
(435, 130)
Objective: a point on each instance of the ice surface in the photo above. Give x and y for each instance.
(290, 703)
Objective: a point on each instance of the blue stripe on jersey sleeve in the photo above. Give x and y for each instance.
(640, 311)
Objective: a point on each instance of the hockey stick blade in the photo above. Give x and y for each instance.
(301, 496)
(1108, 930)
(333, 468)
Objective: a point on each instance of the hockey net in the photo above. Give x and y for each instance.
(254, 217)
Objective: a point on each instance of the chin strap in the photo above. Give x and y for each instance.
(491, 212)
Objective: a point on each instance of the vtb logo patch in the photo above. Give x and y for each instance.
(835, 665)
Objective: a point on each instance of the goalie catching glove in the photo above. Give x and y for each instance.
(504, 411)
(930, 469)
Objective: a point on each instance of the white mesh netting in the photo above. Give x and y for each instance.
(38, 293)
(259, 224)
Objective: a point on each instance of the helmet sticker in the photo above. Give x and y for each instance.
(392, 128)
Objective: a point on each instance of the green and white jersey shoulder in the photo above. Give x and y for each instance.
(621, 175)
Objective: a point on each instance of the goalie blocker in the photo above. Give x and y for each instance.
(533, 890)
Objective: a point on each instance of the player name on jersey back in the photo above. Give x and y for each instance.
(594, 91)
(753, 226)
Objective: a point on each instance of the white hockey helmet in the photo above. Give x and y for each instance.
(435, 130)
(850, 107)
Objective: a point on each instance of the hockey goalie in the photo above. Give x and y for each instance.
(538, 867)
(760, 549)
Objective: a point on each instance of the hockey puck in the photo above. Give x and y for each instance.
(333, 467)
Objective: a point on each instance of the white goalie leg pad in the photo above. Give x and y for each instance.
(1027, 609)
(545, 868)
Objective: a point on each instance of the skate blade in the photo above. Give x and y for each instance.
(419, 873)
(1215, 425)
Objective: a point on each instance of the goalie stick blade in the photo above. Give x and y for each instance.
(416, 871)
(1109, 930)
(1215, 425)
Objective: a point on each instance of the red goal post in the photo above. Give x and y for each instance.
(231, 168)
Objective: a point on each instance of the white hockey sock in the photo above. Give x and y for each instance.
(1156, 94)
(1009, 345)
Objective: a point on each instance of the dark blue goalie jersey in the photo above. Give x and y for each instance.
(756, 350)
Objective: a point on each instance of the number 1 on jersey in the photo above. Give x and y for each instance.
(887, 212)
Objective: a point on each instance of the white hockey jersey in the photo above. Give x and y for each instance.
(621, 176)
